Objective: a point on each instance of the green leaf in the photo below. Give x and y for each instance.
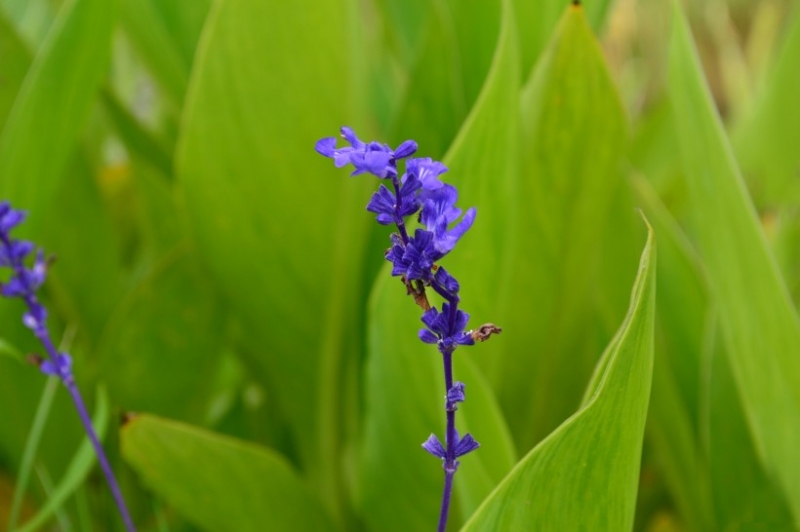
(53, 103)
(448, 72)
(80, 234)
(596, 452)
(9, 350)
(405, 376)
(76, 473)
(217, 482)
(14, 62)
(573, 136)
(743, 494)
(764, 141)
(536, 22)
(163, 346)
(683, 326)
(138, 140)
(149, 34)
(280, 229)
(760, 328)
(184, 19)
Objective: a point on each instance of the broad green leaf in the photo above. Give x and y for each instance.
(219, 483)
(744, 497)
(433, 104)
(140, 142)
(536, 22)
(53, 103)
(406, 25)
(14, 62)
(483, 165)
(682, 328)
(184, 20)
(32, 18)
(448, 72)
(9, 350)
(85, 280)
(573, 136)
(76, 473)
(765, 140)
(280, 229)
(406, 376)
(163, 345)
(147, 30)
(759, 325)
(585, 475)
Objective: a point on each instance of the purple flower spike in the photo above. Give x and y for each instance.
(435, 447)
(414, 258)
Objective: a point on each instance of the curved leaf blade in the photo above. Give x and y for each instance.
(572, 139)
(53, 102)
(759, 324)
(220, 483)
(595, 454)
(283, 248)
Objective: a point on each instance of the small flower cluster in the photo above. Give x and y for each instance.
(23, 283)
(419, 191)
(414, 258)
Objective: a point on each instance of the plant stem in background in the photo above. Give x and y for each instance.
(23, 284)
(413, 259)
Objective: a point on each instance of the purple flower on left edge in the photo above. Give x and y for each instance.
(24, 283)
(373, 157)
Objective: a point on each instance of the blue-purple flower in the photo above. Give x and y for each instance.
(427, 171)
(463, 446)
(439, 329)
(439, 211)
(373, 157)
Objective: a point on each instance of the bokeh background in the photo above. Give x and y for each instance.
(214, 271)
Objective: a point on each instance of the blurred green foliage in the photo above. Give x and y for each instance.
(224, 283)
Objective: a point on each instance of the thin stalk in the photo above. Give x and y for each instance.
(101, 455)
(450, 463)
